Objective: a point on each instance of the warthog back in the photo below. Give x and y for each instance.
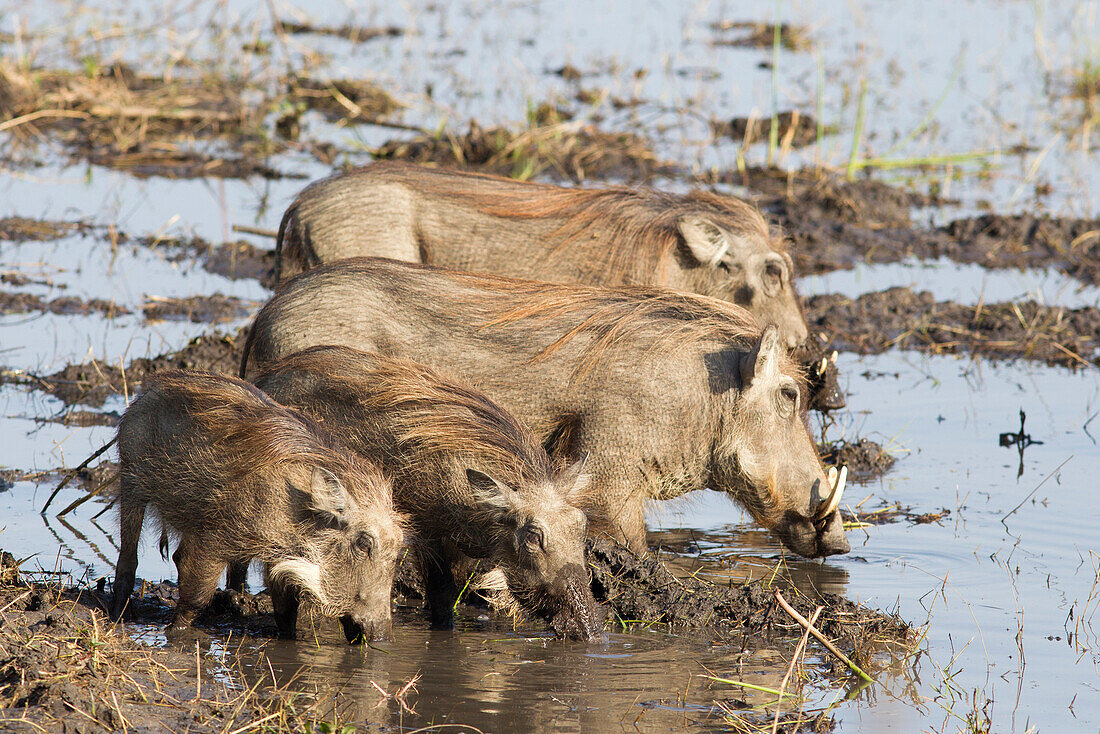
(699, 242)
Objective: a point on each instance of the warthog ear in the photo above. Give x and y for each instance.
(704, 240)
(573, 481)
(488, 492)
(328, 497)
(761, 365)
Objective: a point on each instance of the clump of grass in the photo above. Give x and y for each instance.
(569, 150)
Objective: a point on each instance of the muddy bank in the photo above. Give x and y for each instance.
(635, 590)
(865, 459)
(903, 319)
(64, 667)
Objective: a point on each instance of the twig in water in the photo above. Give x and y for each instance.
(255, 230)
(76, 471)
(81, 500)
(1032, 492)
(790, 669)
(821, 638)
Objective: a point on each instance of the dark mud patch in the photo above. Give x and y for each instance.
(818, 361)
(794, 129)
(212, 309)
(747, 34)
(234, 260)
(65, 667)
(18, 302)
(22, 229)
(353, 33)
(569, 151)
(865, 459)
(904, 319)
(91, 383)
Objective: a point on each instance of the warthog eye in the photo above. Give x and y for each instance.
(788, 400)
(773, 277)
(364, 543)
(532, 537)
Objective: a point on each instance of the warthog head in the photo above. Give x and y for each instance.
(766, 458)
(738, 264)
(348, 562)
(541, 549)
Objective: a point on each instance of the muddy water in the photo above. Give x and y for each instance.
(1005, 583)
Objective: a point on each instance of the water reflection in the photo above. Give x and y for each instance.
(500, 680)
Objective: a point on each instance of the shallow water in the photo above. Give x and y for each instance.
(1006, 582)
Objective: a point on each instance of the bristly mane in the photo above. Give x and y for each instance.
(261, 432)
(637, 228)
(429, 413)
(666, 319)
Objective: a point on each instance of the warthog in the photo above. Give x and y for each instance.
(669, 392)
(237, 477)
(469, 475)
(699, 242)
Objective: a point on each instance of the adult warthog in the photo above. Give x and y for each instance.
(698, 242)
(472, 479)
(669, 392)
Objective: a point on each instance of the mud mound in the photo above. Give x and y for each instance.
(994, 241)
(865, 459)
(93, 382)
(902, 318)
(565, 152)
(644, 589)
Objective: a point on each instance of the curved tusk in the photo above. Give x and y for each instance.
(823, 366)
(838, 490)
(833, 356)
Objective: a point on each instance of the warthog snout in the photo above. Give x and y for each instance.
(578, 616)
(362, 630)
(823, 533)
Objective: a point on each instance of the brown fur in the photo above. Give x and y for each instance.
(668, 392)
(429, 433)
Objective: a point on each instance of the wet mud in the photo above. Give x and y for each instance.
(865, 459)
(20, 302)
(903, 319)
(65, 667)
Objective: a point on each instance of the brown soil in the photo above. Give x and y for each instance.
(645, 591)
(93, 382)
(561, 152)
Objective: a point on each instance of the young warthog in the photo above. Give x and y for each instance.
(237, 477)
(699, 242)
(670, 392)
(470, 477)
